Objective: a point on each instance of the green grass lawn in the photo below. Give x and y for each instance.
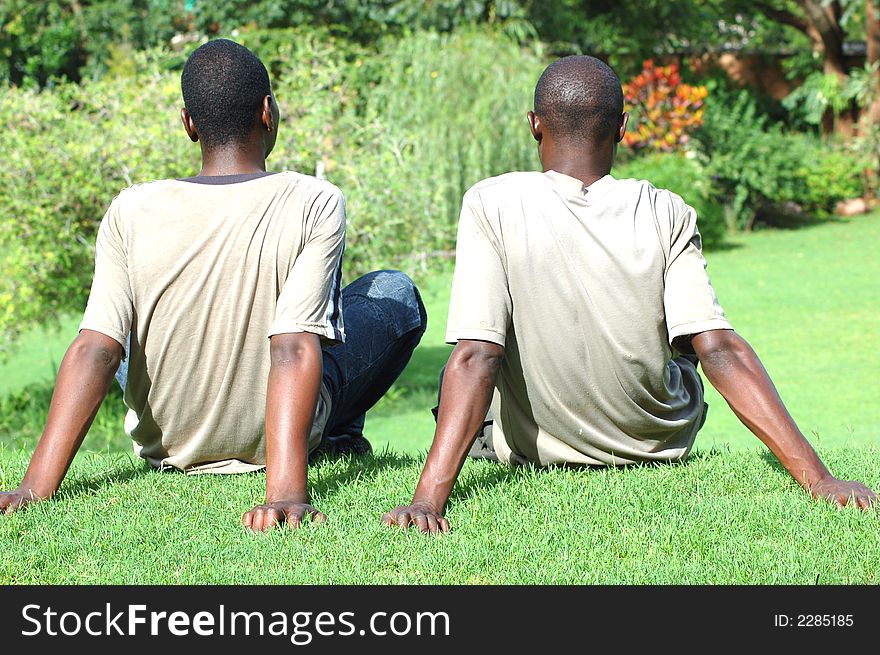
(805, 299)
(722, 518)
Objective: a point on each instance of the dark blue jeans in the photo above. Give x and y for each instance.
(384, 322)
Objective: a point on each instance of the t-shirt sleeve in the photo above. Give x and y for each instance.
(689, 300)
(479, 304)
(110, 308)
(311, 297)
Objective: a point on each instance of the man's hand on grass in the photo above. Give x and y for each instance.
(12, 501)
(845, 492)
(422, 515)
(268, 515)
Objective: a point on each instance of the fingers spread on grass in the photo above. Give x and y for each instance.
(865, 499)
(261, 518)
(295, 518)
(11, 502)
(427, 522)
(404, 518)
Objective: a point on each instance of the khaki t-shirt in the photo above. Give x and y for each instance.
(586, 288)
(202, 275)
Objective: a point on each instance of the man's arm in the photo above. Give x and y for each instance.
(464, 400)
(84, 378)
(294, 383)
(735, 371)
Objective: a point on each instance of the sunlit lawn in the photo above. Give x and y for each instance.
(805, 299)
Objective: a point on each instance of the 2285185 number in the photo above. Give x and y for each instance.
(824, 620)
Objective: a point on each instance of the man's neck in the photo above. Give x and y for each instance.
(232, 160)
(584, 165)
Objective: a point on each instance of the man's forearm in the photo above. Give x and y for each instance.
(464, 400)
(292, 395)
(735, 371)
(84, 378)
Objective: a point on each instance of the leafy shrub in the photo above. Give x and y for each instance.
(757, 168)
(23, 416)
(67, 154)
(444, 112)
(683, 175)
(663, 111)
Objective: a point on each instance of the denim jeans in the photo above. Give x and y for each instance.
(384, 322)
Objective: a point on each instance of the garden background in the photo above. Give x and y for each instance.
(762, 115)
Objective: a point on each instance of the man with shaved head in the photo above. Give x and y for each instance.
(580, 309)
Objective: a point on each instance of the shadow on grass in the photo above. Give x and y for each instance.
(489, 475)
(327, 475)
(124, 468)
(770, 219)
(771, 460)
(724, 246)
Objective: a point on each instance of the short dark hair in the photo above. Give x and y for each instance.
(579, 97)
(223, 85)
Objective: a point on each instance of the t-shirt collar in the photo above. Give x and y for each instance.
(572, 185)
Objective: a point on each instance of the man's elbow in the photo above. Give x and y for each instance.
(96, 351)
(720, 350)
(293, 348)
(480, 358)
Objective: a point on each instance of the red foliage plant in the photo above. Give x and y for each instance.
(663, 111)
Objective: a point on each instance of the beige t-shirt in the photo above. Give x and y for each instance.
(586, 288)
(202, 275)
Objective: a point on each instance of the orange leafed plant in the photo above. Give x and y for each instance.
(663, 111)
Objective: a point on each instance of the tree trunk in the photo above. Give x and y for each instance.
(872, 38)
(870, 119)
(825, 19)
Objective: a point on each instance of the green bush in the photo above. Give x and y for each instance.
(757, 169)
(681, 174)
(443, 112)
(68, 152)
(23, 417)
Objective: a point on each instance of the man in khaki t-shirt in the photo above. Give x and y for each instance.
(589, 373)
(212, 298)
(580, 307)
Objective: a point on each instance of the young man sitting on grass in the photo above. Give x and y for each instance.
(216, 293)
(583, 301)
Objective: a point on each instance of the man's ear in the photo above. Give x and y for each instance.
(624, 118)
(188, 125)
(535, 126)
(269, 114)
